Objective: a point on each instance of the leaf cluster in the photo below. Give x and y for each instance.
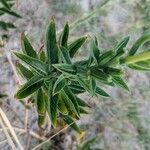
(6, 8)
(54, 80)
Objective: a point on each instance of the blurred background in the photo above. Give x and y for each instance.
(121, 122)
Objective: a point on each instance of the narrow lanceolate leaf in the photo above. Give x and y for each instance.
(113, 71)
(53, 109)
(59, 84)
(10, 12)
(42, 56)
(105, 57)
(41, 120)
(76, 88)
(27, 47)
(70, 106)
(41, 107)
(100, 75)
(122, 44)
(92, 86)
(61, 106)
(73, 99)
(71, 123)
(95, 52)
(4, 2)
(65, 68)
(120, 82)
(47, 95)
(143, 39)
(81, 102)
(65, 55)
(30, 87)
(37, 65)
(138, 67)
(65, 35)
(52, 49)
(84, 84)
(74, 47)
(101, 92)
(83, 111)
(25, 72)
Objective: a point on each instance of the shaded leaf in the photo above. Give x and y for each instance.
(71, 123)
(41, 107)
(53, 109)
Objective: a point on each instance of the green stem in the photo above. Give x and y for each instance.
(136, 58)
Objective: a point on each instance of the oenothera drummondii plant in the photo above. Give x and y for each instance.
(54, 80)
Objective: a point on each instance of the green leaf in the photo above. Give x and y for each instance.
(105, 57)
(27, 47)
(42, 56)
(76, 88)
(81, 102)
(53, 109)
(101, 92)
(30, 87)
(25, 72)
(95, 52)
(73, 47)
(113, 71)
(71, 123)
(52, 49)
(143, 39)
(62, 107)
(83, 111)
(68, 102)
(41, 120)
(65, 68)
(100, 75)
(120, 82)
(10, 12)
(4, 2)
(41, 107)
(59, 84)
(84, 84)
(92, 86)
(65, 55)
(73, 99)
(122, 44)
(6, 25)
(138, 67)
(87, 145)
(65, 35)
(36, 64)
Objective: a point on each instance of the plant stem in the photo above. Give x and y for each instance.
(136, 58)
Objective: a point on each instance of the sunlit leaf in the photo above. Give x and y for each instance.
(74, 47)
(143, 39)
(30, 87)
(36, 64)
